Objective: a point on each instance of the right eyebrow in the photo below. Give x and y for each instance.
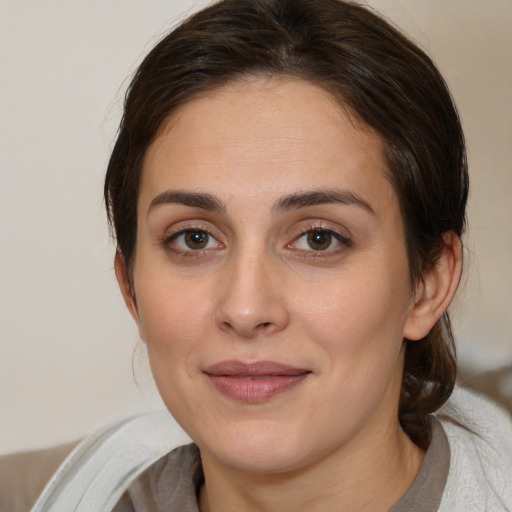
(318, 197)
(193, 199)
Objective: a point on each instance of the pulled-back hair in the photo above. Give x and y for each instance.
(377, 74)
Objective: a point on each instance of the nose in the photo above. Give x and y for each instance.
(252, 297)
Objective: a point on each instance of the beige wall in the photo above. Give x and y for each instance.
(67, 343)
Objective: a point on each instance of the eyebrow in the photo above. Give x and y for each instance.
(289, 202)
(319, 197)
(193, 199)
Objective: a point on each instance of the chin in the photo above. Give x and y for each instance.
(256, 446)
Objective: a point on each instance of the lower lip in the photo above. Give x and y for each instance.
(255, 388)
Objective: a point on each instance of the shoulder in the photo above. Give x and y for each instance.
(480, 438)
(171, 483)
(104, 464)
(24, 475)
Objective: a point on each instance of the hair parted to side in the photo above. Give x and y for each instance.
(382, 78)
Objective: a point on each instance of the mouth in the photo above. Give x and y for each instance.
(254, 382)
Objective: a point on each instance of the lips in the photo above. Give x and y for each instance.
(254, 382)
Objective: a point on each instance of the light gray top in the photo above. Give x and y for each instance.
(172, 483)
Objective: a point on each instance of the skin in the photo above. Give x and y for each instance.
(259, 290)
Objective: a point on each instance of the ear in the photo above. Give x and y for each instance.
(436, 290)
(126, 287)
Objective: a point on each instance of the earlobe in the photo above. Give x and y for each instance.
(126, 286)
(436, 290)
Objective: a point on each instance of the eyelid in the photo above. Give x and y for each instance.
(184, 228)
(343, 240)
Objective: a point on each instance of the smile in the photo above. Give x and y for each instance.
(254, 382)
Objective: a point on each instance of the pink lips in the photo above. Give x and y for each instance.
(254, 382)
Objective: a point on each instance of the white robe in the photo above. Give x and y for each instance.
(100, 469)
(480, 476)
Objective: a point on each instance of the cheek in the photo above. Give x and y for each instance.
(356, 303)
(358, 320)
(174, 314)
(361, 338)
(174, 324)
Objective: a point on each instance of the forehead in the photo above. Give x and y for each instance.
(264, 136)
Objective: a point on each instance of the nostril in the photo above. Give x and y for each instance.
(263, 327)
(252, 317)
(259, 328)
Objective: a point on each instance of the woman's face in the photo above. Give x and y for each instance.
(271, 278)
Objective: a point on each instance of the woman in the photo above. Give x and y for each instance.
(288, 193)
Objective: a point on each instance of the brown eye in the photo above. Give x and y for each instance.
(316, 240)
(196, 240)
(190, 241)
(319, 240)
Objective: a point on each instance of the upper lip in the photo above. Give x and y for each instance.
(235, 368)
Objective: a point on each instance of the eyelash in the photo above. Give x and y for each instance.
(342, 242)
(167, 242)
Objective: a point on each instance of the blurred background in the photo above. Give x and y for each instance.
(69, 354)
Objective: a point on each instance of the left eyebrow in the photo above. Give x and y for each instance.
(319, 197)
(193, 199)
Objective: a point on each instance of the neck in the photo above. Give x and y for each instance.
(361, 475)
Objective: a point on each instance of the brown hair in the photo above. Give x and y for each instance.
(383, 78)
